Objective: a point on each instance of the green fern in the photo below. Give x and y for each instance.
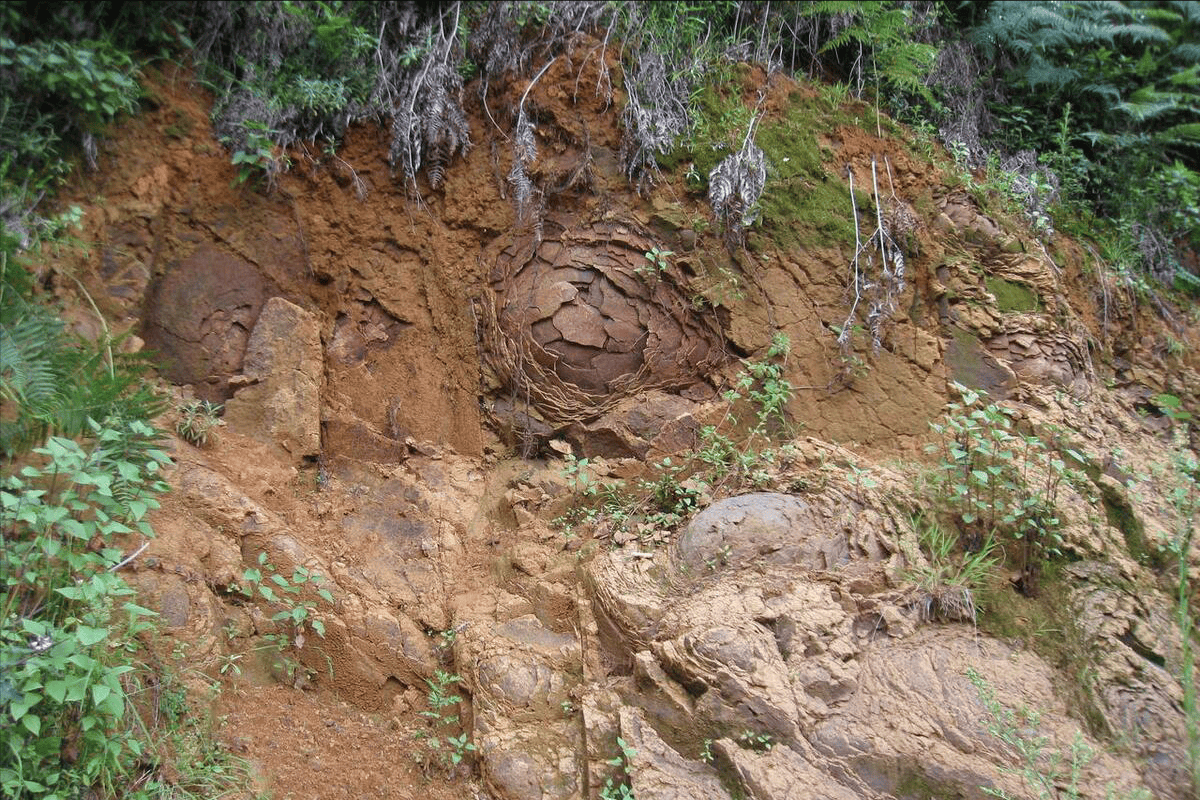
(882, 31)
(52, 382)
(1131, 72)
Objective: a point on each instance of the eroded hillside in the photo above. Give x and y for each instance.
(457, 415)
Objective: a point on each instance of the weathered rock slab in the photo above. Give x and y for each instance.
(763, 527)
(284, 365)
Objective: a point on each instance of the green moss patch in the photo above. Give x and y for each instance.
(969, 363)
(804, 200)
(1012, 297)
(916, 785)
(1048, 625)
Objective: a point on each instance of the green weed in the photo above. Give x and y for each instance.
(294, 611)
(997, 482)
(1185, 499)
(619, 789)
(946, 584)
(440, 746)
(198, 420)
(730, 455)
(1049, 774)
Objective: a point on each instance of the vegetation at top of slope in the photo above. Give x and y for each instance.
(56, 96)
(1104, 97)
(1089, 105)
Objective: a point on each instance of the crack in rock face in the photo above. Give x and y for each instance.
(582, 318)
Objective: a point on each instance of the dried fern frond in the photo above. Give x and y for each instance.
(524, 155)
(509, 37)
(432, 120)
(655, 117)
(877, 273)
(735, 186)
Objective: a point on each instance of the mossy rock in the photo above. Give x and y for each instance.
(969, 363)
(1012, 297)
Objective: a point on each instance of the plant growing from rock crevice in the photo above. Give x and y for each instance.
(1185, 499)
(440, 744)
(729, 455)
(292, 610)
(198, 420)
(945, 584)
(997, 482)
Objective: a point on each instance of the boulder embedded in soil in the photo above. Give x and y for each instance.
(199, 315)
(762, 527)
(284, 366)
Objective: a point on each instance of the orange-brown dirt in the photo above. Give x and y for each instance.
(391, 281)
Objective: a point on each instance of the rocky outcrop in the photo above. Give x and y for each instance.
(656, 770)
(806, 674)
(281, 380)
(585, 313)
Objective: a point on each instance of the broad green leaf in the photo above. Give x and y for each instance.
(57, 690)
(21, 707)
(89, 636)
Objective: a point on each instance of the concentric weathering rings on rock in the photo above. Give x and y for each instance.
(582, 317)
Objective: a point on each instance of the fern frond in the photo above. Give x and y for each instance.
(1141, 111)
(1189, 76)
(1141, 35)
(1189, 10)
(26, 347)
(1186, 133)
(524, 155)
(1104, 91)
(56, 381)
(1043, 73)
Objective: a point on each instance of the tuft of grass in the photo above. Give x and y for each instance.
(945, 585)
(198, 421)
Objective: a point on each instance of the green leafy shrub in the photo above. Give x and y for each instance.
(620, 788)
(440, 746)
(56, 96)
(92, 81)
(997, 482)
(762, 385)
(292, 607)
(1049, 774)
(67, 626)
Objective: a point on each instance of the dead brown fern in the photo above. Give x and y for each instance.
(655, 116)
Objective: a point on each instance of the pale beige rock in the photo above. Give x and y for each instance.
(656, 770)
(285, 361)
(782, 774)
